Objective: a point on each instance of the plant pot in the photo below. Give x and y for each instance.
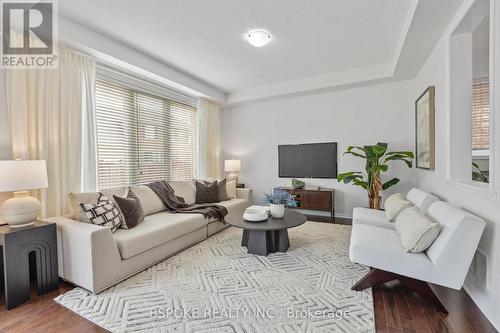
(277, 210)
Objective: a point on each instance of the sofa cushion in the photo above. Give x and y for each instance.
(155, 230)
(207, 193)
(185, 190)
(91, 198)
(131, 209)
(103, 213)
(235, 207)
(151, 203)
(222, 190)
(415, 230)
(231, 188)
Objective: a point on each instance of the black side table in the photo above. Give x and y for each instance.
(38, 241)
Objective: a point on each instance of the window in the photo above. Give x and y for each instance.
(142, 137)
(481, 115)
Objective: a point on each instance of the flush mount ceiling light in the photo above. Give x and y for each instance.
(258, 37)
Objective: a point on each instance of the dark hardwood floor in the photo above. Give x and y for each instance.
(41, 314)
(396, 310)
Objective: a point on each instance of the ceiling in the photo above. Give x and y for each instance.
(315, 43)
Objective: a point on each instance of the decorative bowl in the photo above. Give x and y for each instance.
(255, 215)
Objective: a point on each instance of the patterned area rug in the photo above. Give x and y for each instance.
(216, 286)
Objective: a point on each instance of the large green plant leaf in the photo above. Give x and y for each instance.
(350, 150)
(384, 167)
(382, 144)
(379, 149)
(370, 154)
(361, 183)
(347, 177)
(405, 153)
(390, 183)
(356, 177)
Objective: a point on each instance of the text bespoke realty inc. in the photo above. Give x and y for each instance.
(238, 313)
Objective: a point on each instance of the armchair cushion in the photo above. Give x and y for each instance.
(394, 205)
(415, 230)
(374, 217)
(381, 248)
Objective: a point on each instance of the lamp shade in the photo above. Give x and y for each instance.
(22, 175)
(232, 165)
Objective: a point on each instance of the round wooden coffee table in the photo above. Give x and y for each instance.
(262, 238)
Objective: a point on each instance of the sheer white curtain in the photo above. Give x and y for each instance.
(52, 117)
(208, 140)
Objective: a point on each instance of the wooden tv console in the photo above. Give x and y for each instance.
(322, 199)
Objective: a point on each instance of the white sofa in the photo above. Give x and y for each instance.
(94, 258)
(376, 244)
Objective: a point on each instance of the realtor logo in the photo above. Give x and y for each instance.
(29, 31)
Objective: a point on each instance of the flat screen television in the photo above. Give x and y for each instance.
(311, 160)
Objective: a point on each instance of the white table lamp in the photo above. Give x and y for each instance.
(19, 176)
(232, 166)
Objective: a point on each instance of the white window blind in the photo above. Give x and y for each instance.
(142, 137)
(481, 115)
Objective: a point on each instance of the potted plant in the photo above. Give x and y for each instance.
(277, 200)
(376, 157)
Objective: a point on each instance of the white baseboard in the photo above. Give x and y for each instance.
(325, 214)
(344, 215)
(483, 305)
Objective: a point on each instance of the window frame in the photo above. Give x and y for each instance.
(457, 163)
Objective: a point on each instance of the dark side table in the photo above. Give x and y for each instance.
(34, 246)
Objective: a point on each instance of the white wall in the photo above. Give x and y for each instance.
(358, 116)
(5, 151)
(434, 72)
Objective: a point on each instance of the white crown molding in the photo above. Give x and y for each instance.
(405, 29)
(358, 76)
(117, 55)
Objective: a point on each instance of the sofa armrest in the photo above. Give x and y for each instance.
(244, 193)
(87, 254)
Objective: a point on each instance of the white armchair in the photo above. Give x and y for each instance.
(446, 262)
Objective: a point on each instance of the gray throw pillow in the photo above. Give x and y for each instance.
(221, 189)
(131, 209)
(207, 193)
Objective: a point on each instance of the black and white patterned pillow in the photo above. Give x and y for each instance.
(104, 213)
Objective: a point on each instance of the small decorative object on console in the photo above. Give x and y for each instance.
(277, 201)
(298, 184)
